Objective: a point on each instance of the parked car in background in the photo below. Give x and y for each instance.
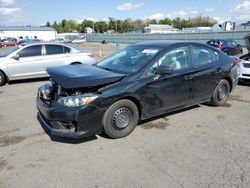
(245, 62)
(59, 40)
(25, 40)
(228, 46)
(31, 60)
(139, 82)
(79, 40)
(10, 42)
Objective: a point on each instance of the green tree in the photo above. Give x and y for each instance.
(166, 21)
(47, 24)
(177, 23)
(112, 23)
(58, 27)
(204, 21)
(153, 21)
(101, 27)
(84, 24)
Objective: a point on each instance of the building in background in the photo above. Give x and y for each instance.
(160, 29)
(196, 29)
(89, 30)
(28, 33)
(218, 27)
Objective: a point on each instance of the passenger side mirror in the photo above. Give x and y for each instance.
(164, 70)
(16, 57)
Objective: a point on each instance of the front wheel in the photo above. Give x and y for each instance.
(2, 78)
(221, 93)
(120, 119)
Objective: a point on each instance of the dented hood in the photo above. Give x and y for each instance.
(79, 76)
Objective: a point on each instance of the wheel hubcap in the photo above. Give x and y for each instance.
(222, 92)
(121, 118)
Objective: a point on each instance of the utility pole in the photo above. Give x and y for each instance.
(116, 26)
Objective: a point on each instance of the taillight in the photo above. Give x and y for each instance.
(220, 47)
(92, 56)
(237, 62)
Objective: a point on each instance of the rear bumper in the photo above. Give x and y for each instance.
(244, 73)
(244, 70)
(61, 121)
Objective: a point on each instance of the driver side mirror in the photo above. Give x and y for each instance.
(16, 57)
(164, 70)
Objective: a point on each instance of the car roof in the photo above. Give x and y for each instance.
(74, 49)
(164, 44)
(41, 43)
(223, 40)
(44, 43)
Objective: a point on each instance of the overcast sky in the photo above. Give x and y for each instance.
(37, 12)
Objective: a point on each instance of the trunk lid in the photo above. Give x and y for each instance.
(79, 76)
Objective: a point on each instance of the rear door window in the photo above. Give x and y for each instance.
(203, 56)
(56, 49)
(30, 51)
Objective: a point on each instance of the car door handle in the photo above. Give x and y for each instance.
(189, 77)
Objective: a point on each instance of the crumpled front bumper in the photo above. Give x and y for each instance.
(77, 122)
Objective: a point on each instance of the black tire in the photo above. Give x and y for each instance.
(120, 119)
(76, 63)
(2, 78)
(241, 52)
(221, 93)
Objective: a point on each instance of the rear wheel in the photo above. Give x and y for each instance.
(2, 78)
(120, 119)
(221, 93)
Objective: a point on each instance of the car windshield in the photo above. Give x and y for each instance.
(9, 51)
(130, 59)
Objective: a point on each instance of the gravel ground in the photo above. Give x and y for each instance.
(202, 146)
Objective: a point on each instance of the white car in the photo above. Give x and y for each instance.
(245, 62)
(245, 68)
(31, 60)
(79, 40)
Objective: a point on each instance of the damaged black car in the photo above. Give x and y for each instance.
(139, 82)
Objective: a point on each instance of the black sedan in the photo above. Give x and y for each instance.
(139, 82)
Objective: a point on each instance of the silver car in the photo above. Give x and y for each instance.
(31, 60)
(245, 63)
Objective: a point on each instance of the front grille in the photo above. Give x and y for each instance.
(69, 126)
(248, 75)
(246, 65)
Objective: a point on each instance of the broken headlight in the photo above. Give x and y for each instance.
(75, 101)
